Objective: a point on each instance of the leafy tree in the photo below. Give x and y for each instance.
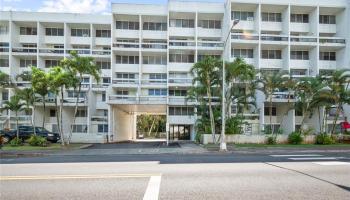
(14, 105)
(79, 66)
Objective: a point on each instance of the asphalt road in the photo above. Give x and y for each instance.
(212, 176)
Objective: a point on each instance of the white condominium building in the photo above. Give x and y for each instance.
(145, 53)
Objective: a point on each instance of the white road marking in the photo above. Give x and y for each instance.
(152, 191)
(297, 155)
(332, 163)
(316, 158)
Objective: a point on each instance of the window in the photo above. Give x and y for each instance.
(178, 93)
(81, 113)
(79, 128)
(75, 32)
(267, 111)
(5, 95)
(201, 57)
(271, 17)
(243, 53)
(51, 63)
(155, 60)
(328, 56)
(122, 92)
(54, 31)
(103, 96)
(156, 76)
(102, 128)
(155, 26)
(210, 24)
(157, 92)
(181, 111)
(27, 63)
(28, 31)
(126, 78)
(242, 15)
(52, 113)
(72, 94)
(181, 58)
(327, 19)
(4, 62)
(182, 23)
(4, 30)
(127, 25)
(106, 80)
(271, 54)
(299, 18)
(103, 33)
(126, 59)
(299, 55)
(103, 65)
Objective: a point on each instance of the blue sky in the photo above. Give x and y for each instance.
(80, 6)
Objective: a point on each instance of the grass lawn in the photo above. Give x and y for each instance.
(278, 146)
(26, 147)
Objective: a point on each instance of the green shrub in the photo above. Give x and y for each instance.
(35, 140)
(271, 140)
(233, 125)
(295, 138)
(324, 139)
(15, 142)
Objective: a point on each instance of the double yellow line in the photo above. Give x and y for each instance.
(88, 176)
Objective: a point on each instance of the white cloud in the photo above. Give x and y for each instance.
(75, 6)
(11, 8)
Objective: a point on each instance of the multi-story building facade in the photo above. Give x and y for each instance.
(145, 53)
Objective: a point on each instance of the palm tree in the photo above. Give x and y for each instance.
(14, 105)
(205, 73)
(40, 85)
(271, 83)
(29, 98)
(79, 66)
(5, 79)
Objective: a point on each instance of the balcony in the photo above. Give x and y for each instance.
(180, 81)
(212, 45)
(99, 87)
(303, 40)
(271, 26)
(180, 100)
(184, 32)
(152, 100)
(23, 84)
(4, 50)
(120, 82)
(180, 67)
(79, 51)
(327, 64)
(271, 63)
(205, 32)
(105, 53)
(126, 33)
(51, 51)
(245, 38)
(122, 99)
(99, 119)
(80, 40)
(300, 27)
(274, 39)
(182, 44)
(154, 46)
(123, 46)
(24, 50)
(147, 34)
(332, 41)
(54, 39)
(154, 81)
(328, 28)
(300, 64)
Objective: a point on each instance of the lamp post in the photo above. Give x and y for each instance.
(223, 140)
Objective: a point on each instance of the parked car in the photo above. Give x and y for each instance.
(26, 131)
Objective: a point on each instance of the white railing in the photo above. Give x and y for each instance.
(154, 45)
(332, 40)
(243, 36)
(101, 52)
(124, 81)
(79, 51)
(153, 81)
(180, 80)
(24, 49)
(51, 50)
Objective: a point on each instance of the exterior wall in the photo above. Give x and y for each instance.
(189, 41)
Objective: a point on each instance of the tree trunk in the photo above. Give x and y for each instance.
(75, 110)
(33, 120)
(211, 115)
(336, 118)
(17, 133)
(61, 123)
(44, 111)
(58, 120)
(319, 118)
(272, 131)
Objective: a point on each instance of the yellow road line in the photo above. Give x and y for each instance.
(55, 177)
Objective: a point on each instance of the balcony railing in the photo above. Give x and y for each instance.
(332, 40)
(23, 84)
(274, 38)
(126, 45)
(104, 85)
(154, 46)
(180, 80)
(302, 39)
(4, 49)
(101, 52)
(79, 51)
(153, 81)
(51, 50)
(125, 81)
(283, 95)
(123, 97)
(210, 44)
(181, 44)
(241, 36)
(99, 118)
(24, 50)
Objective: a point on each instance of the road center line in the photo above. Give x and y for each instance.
(152, 191)
(97, 176)
(297, 155)
(316, 158)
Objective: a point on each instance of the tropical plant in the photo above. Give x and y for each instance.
(295, 138)
(79, 66)
(205, 73)
(36, 140)
(324, 139)
(29, 98)
(40, 84)
(233, 125)
(269, 84)
(5, 79)
(15, 105)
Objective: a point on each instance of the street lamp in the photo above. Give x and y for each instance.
(223, 140)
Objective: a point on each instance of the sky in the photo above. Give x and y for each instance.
(73, 6)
